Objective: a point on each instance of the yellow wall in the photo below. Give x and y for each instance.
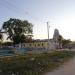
(35, 44)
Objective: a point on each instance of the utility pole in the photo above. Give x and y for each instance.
(48, 33)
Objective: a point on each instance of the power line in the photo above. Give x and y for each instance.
(6, 6)
(21, 11)
(15, 7)
(12, 7)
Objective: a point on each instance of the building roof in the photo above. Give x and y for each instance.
(43, 40)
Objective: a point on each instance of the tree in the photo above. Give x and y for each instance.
(1, 36)
(60, 39)
(65, 42)
(17, 30)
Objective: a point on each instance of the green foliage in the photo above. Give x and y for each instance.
(63, 41)
(16, 29)
(7, 43)
(66, 42)
(60, 39)
(1, 36)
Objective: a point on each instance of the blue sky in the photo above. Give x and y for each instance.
(59, 13)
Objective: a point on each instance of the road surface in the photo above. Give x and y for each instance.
(67, 68)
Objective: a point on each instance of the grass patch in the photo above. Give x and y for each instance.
(33, 64)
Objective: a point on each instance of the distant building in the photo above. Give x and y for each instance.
(39, 46)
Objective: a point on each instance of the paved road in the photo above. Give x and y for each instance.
(68, 68)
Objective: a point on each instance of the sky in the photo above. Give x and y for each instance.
(59, 13)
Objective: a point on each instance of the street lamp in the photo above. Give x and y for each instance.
(48, 33)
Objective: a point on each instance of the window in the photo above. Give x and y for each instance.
(35, 45)
(29, 44)
(42, 44)
(24, 45)
(38, 44)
